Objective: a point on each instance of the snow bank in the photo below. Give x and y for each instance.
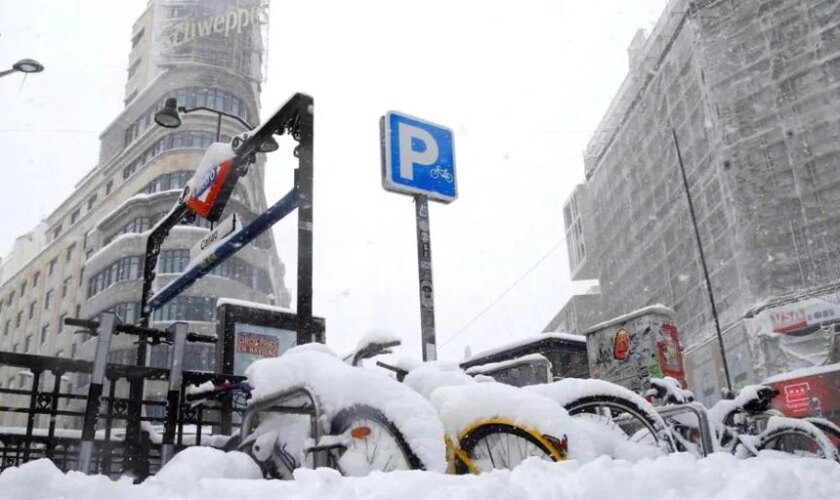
(460, 406)
(339, 386)
(200, 462)
(719, 476)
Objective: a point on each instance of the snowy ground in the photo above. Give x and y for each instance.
(207, 474)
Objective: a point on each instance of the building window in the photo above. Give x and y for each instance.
(127, 312)
(52, 266)
(27, 343)
(35, 279)
(91, 202)
(127, 268)
(48, 299)
(56, 232)
(11, 298)
(137, 225)
(127, 171)
(65, 286)
(44, 330)
(136, 38)
(73, 351)
(22, 288)
(173, 261)
(168, 181)
(32, 310)
(185, 308)
(19, 319)
(75, 216)
(61, 322)
(8, 327)
(69, 254)
(132, 70)
(108, 187)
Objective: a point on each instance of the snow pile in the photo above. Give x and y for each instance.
(200, 462)
(339, 386)
(719, 476)
(427, 377)
(461, 406)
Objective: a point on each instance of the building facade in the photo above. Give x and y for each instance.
(751, 90)
(87, 256)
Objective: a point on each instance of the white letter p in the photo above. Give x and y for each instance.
(408, 156)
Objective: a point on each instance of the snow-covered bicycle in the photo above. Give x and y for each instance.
(745, 425)
(309, 409)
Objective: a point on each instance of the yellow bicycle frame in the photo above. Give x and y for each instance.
(455, 453)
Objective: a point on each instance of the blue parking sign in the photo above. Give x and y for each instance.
(418, 157)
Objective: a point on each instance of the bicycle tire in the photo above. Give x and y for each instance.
(363, 414)
(654, 424)
(783, 437)
(470, 445)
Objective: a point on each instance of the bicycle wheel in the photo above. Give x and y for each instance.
(797, 441)
(373, 443)
(624, 417)
(503, 446)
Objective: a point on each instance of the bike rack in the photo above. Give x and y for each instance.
(274, 403)
(706, 433)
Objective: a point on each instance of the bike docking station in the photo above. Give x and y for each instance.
(418, 159)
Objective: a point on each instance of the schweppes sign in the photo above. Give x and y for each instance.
(231, 22)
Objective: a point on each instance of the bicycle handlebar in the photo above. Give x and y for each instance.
(140, 331)
(218, 390)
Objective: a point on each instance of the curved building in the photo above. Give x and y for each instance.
(87, 256)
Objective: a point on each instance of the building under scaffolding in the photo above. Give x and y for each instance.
(752, 89)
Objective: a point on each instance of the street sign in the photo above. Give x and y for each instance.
(418, 157)
(218, 233)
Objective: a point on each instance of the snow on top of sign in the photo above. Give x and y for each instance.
(654, 309)
(254, 305)
(803, 372)
(215, 154)
(491, 367)
(719, 477)
(338, 385)
(461, 406)
(525, 341)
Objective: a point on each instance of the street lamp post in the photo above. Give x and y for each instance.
(170, 116)
(24, 66)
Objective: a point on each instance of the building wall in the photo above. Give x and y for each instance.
(751, 89)
(48, 275)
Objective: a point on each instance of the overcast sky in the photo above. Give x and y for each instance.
(523, 83)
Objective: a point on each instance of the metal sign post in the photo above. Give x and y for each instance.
(424, 273)
(418, 158)
(97, 378)
(173, 396)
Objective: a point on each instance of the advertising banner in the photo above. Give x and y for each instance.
(255, 342)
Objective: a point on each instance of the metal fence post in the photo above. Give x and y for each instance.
(100, 361)
(173, 397)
